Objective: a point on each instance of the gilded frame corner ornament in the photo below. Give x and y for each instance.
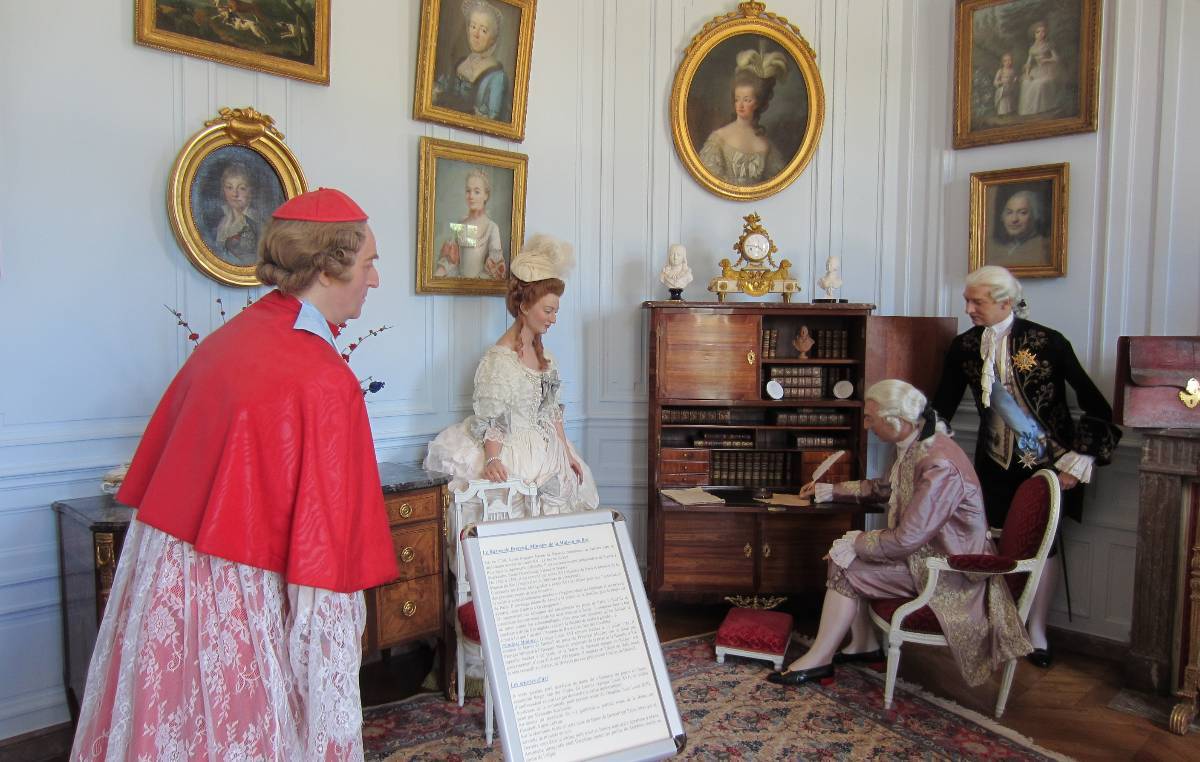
(431, 151)
(969, 129)
(428, 54)
(750, 18)
(243, 127)
(988, 188)
(248, 28)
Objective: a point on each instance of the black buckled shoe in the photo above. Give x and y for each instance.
(862, 657)
(822, 674)
(1041, 657)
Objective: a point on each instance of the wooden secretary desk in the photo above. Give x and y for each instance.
(91, 532)
(713, 424)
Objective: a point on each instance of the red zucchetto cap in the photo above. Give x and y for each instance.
(321, 205)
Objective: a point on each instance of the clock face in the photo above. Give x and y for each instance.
(756, 247)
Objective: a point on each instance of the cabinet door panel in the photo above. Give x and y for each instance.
(708, 552)
(911, 349)
(708, 357)
(792, 547)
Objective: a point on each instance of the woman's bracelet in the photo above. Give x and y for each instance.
(488, 462)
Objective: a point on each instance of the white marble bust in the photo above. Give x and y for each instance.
(831, 281)
(676, 273)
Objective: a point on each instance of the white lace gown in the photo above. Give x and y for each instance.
(519, 408)
(200, 658)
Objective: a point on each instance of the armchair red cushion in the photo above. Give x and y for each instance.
(921, 620)
(755, 630)
(467, 621)
(981, 562)
(1025, 527)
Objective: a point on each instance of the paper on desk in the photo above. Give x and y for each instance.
(781, 498)
(692, 496)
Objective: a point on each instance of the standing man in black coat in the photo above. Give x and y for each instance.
(1017, 372)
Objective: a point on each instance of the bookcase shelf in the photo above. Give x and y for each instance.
(717, 358)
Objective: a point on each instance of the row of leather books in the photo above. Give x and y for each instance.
(749, 468)
(832, 343)
(696, 415)
(819, 440)
(770, 342)
(727, 439)
(811, 418)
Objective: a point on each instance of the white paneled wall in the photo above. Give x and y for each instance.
(91, 123)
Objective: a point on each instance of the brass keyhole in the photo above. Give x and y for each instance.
(750, 357)
(766, 550)
(747, 551)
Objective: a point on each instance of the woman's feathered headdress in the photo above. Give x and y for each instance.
(543, 257)
(771, 65)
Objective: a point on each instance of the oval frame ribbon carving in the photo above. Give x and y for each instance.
(751, 18)
(241, 127)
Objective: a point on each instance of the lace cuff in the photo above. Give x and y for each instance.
(325, 647)
(823, 493)
(1076, 464)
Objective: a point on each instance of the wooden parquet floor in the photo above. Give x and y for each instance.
(1063, 708)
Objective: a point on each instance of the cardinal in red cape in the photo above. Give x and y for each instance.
(235, 621)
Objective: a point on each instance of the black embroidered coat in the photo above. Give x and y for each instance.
(1042, 363)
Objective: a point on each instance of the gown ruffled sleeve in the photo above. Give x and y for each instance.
(492, 421)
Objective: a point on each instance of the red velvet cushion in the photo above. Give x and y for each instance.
(755, 630)
(467, 621)
(981, 562)
(921, 620)
(1025, 527)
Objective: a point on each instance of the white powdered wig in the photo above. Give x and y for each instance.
(1001, 286)
(898, 401)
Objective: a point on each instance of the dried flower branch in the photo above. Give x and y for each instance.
(192, 335)
(355, 344)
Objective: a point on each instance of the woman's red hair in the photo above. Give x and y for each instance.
(522, 296)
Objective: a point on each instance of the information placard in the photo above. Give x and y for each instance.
(573, 661)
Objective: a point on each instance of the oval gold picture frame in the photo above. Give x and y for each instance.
(751, 18)
(235, 127)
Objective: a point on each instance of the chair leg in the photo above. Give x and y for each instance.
(462, 672)
(893, 667)
(1005, 686)
(488, 723)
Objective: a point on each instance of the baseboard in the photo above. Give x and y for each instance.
(43, 745)
(1087, 644)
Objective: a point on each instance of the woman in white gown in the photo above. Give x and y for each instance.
(740, 152)
(516, 430)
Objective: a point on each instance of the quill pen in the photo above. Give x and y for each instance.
(820, 470)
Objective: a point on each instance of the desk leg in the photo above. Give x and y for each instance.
(1185, 711)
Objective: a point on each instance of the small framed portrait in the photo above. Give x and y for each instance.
(1025, 69)
(224, 186)
(471, 217)
(747, 104)
(473, 64)
(1019, 220)
(285, 37)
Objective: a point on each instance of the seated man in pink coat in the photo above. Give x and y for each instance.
(935, 508)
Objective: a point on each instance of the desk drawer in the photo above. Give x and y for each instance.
(413, 506)
(417, 549)
(409, 609)
(679, 453)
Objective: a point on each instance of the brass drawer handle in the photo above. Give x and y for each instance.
(747, 551)
(405, 510)
(409, 609)
(750, 357)
(407, 555)
(766, 550)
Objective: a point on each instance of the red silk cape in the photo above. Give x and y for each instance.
(260, 452)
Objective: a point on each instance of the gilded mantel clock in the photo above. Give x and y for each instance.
(755, 272)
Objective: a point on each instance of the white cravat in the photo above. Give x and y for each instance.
(993, 337)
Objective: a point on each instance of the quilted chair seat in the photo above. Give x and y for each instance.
(468, 622)
(756, 634)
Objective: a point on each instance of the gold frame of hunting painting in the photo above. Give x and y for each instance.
(1039, 249)
(448, 171)
(242, 148)
(442, 37)
(1060, 68)
(702, 95)
(231, 38)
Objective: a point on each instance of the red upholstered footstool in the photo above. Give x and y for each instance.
(755, 633)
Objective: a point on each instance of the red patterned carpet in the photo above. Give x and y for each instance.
(730, 712)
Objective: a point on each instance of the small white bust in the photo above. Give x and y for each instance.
(676, 273)
(831, 281)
